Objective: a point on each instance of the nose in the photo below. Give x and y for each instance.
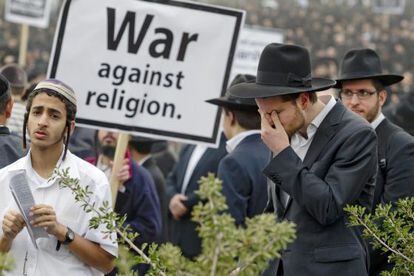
(354, 99)
(43, 120)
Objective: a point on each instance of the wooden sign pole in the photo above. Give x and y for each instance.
(121, 148)
(24, 38)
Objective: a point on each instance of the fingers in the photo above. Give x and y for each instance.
(14, 218)
(12, 227)
(177, 208)
(41, 210)
(42, 219)
(13, 223)
(275, 120)
(124, 172)
(181, 197)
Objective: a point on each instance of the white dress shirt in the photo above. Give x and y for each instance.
(300, 145)
(378, 120)
(46, 260)
(192, 163)
(235, 141)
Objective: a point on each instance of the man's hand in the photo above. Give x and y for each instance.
(42, 215)
(123, 173)
(13, 223)
(276, 139)
(177, 208)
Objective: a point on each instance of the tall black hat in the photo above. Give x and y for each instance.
(364, 64)
(283, 69)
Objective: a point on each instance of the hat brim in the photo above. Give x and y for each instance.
(385, 79)
(224, 102)
(257, 90)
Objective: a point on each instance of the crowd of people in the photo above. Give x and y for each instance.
(331, 27)
(327, 27)
(303, 156)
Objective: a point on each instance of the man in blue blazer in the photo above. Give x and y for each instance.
(244, 185)
(324, 158)
(193, 163)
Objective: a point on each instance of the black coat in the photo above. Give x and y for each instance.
(395, 176)
(165, 160)
(159, 182)
(338, 169)
(402, 113)
(244, 184)
(183, 231)
(10, 147)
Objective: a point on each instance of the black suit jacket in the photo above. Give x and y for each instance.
(244, 185)
(402, 113)
(338, 169)
(183, 232)
(395, 176)
(159, 182)
(10, 147)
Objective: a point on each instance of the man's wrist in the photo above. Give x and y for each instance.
(5, 243)
(61, 233)
(280, 149)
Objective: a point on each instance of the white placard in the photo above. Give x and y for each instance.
(251, 44)
(389, 6)
(31, 12)
(147, 67)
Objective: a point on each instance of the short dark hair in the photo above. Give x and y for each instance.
(5, 95)
(247, 119)
(378, 85)
(293, 97)
(143, 148)
(70, 113)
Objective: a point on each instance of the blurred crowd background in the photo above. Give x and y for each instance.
(327, 27)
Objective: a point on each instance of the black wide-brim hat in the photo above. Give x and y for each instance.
(232, 102)
(362, 64)
(283, 69)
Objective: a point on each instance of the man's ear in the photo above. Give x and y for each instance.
(72, 127)
(232, 118)
(382, 95)
(303, 100)
(9, 108)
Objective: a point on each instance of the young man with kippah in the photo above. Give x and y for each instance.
(71, 247)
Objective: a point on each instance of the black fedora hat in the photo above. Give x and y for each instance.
(361, 64)
(283, 69)
(232, 102)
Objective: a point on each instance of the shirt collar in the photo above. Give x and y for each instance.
(233, 142)
(378, 120)
(25, 164)
(142, 161)
(317, 121)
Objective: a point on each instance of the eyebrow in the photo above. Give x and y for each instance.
(52, 110)
(277, 111)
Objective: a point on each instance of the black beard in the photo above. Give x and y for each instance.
(108, 151)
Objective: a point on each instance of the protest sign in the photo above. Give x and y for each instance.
(147, 67)
(252, 41)
(389, 6)
(31, 12)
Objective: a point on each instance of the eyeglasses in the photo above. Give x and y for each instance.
(361, 94)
